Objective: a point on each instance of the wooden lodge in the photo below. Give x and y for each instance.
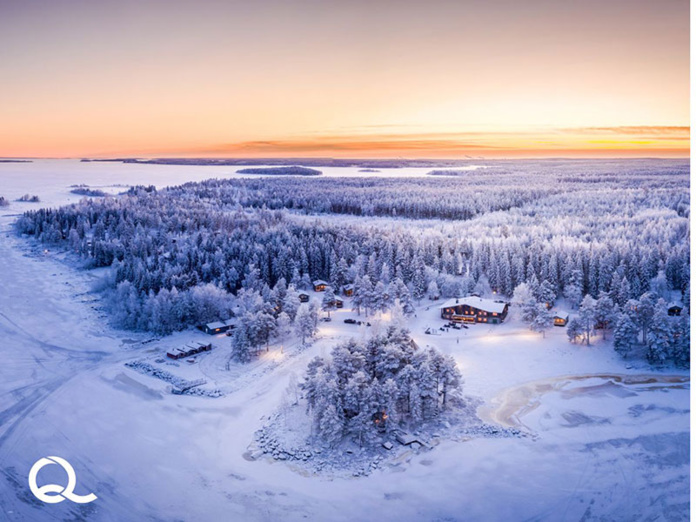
(320, 285)
(219, 327)
(188, 350)
(348, 290)
(474, 309)
(304, 297)
(338, 303)
(560, 318)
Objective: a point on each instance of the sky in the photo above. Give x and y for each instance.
(359, 78)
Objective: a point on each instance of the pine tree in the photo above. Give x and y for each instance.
(587, 317)
(543, 319)
(574, 329)
(625, 335)
(605, 313)
(331, 424)
(305, 326)
(660, 336)
(681, 344)
(645, 311)
(433, 291)
(545, 294)
(328, 303)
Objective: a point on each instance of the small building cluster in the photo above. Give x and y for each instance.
(189, 349)
(474, 309)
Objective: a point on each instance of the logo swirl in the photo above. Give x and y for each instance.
(54, 493)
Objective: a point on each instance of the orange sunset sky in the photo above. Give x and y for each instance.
(378, 78)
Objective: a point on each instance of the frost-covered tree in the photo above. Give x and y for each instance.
(522, 294)
(244, 346)
(305, 323)
(363, 294)
(433, 291)
(574, 330)
(328, 302)
(605, 313)
(400, 292)
(291, 302)
(660, 335)
(545, 293)
(625, 335)
(645, 311)
(587, 318)
(543, 319)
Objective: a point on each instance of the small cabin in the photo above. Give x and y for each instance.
(338, 303)
(674, 309)
(188, 350)
(304, 297)
(560, 318)
(219, 327)
(348, 290)
(320, 285)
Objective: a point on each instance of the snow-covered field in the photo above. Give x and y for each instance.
(610, 439)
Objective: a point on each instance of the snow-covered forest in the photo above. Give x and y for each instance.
(281, 412)
(616, 234)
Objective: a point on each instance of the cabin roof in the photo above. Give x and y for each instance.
(560, 314)
(221, 324)
(215, 325)
(320, 282)
(487, 305)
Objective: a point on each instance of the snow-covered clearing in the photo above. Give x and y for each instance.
(610, 439)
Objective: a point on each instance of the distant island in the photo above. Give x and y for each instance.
(448, 172)
(309, 162)
(15, 161)
(281, 171)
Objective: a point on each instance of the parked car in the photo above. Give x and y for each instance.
(350, 321)
(326, 319)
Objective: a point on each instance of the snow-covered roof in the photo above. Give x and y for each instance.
(215, 325)
(487, 305)
(560, 314)
(320, 282)
(675, 303)
(221, 324)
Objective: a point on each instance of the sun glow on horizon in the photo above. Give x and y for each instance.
(450, 79)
